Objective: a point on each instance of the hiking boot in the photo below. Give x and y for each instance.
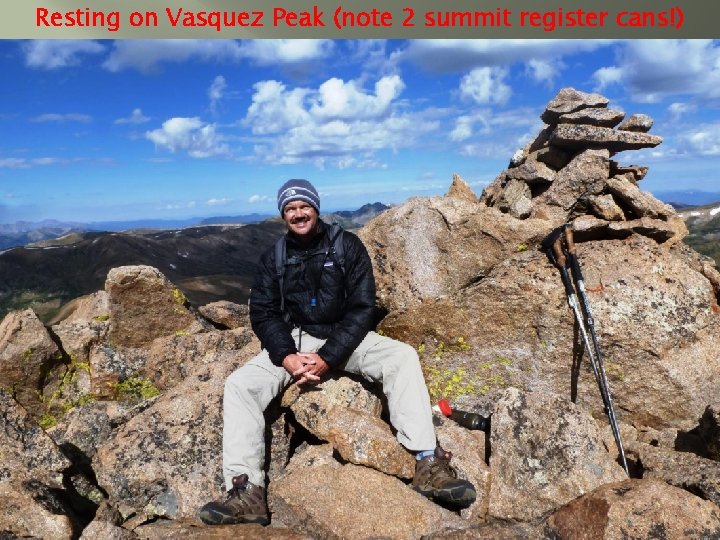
(437, 481)
(244, 503)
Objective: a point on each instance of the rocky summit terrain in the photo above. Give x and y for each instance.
(110, 424)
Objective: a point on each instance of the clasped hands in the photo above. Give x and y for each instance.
(305, 367)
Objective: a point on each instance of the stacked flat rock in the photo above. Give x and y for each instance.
(567, 174)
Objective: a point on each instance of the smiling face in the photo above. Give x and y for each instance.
(301, 218)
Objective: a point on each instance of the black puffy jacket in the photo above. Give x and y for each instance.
(345, 302)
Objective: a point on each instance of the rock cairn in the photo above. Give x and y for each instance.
(567, 174)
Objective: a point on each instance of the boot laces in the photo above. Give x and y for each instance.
(440, 466)
(239, 491)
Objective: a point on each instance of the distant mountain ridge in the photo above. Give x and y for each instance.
(208, 262)
(22, 233)
(681, 199)
(356, 218)
(243, 219)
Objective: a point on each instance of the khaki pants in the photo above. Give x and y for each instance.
(249, 390)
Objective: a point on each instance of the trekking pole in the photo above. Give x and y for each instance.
(596, 359)
(558, 257)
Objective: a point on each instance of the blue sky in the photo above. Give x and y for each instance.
(128, 129)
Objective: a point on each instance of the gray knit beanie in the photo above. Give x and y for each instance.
(298, 190)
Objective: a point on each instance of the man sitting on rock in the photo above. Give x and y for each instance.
(321, 320)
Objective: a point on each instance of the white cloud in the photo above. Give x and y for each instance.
(60, 53)
(655, 69)
(338, 99)
(608, 76)
(452, 55)
(147, 55)
(48, 161)
(542, 59)
(180, 205)
(677, 110)
(369, 53)
(275, 109)
(67, 117)
(463, 127)
(417, 186)
(191, 135)
(338, 123)
(260, 199)
(489, 133)
(544, 71)
(486, 85)
(136, 117)
(216, 92)
(703, 141)
(13, 163)
(286, 51)
(24, 163)
(218, 202)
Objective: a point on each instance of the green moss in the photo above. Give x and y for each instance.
(449, 383)
(76, 364)
(81, 365)
(101, 318)
(452, 383)
(67, 407)
(497, 381)
(443, 348)
(66, 378)
(58, 403)
(27, 354)
(182, 333)
(87, 398)
(500, 361)
(47, 421)
(136, 388)
(521, 247)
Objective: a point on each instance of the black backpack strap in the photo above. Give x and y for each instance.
(280, 259)
(338, 249)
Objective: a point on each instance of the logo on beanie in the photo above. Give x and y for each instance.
(292, 192)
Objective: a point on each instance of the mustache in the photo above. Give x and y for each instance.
(300, 219)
